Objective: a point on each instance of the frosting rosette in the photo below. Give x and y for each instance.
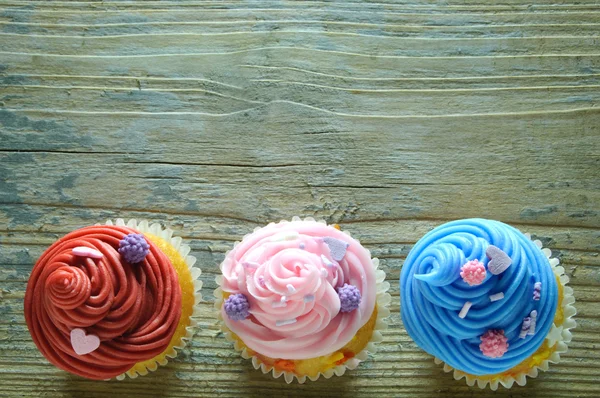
(291, 274)
(95, 314)
(482, 297)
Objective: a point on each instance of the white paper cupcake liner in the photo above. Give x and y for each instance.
(559, 334)
(383, 299)
(167, 234)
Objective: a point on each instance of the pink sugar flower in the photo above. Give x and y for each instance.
(493, 343)
(473, 272)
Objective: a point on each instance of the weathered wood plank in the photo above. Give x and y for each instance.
(216, 117)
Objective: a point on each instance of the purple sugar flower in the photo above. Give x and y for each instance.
(134, 248)
(349, 297)
(237, 307)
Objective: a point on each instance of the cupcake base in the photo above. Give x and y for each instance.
(187, 274)
(549, 352)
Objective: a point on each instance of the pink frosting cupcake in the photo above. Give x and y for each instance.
(302, 299)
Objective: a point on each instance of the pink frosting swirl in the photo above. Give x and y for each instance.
(290, 277)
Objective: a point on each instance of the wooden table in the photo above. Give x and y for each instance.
(218, 117)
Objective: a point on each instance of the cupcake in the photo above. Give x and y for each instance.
(301, 299)
(112, 300)
(487, 301)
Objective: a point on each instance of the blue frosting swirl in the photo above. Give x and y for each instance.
(433, 293)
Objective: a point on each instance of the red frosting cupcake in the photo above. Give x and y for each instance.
(104, 299)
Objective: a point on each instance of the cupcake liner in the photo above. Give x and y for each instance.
(167, 234)
(559, 335)
(383, 299)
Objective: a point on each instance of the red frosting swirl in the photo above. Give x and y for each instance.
(134, 309)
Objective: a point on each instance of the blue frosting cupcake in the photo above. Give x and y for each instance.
(483, 298)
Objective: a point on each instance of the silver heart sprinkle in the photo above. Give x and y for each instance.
(499, 261)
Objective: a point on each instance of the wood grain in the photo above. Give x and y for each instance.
(388, 118)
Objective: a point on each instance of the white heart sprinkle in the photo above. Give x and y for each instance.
(82, 343)
(499, 261)
(337, 247)
(82, 251)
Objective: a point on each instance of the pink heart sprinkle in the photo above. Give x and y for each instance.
(83, 251)
(82, 343)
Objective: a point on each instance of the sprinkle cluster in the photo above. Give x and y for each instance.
(528, 326)
(237, 307)
(525, 327)
(349, 297)
(134, 248)
(537, 291)
(473, 272)
(493, 343)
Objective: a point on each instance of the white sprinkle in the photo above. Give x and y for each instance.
(250, 264)
(292, 236)
(497, 296)
(533, 316)
(308, 298)
(278, 304)
(537, 290)
(465, 309)
(326, 261)
(285, 236)
(523, 334)
(532, 328)
(82, 251)
(283, 299)
(290, 288)
(324, 273)
(285, 322)
(525, 326)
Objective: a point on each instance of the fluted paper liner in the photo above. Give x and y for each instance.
(559, 335)
(383, 299)
(167, 235)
